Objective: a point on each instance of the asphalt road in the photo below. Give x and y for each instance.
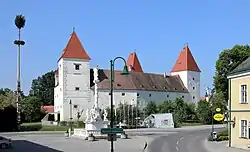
(183, 141)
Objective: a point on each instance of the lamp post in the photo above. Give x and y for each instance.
(20, 23)
(209, 95)
(70, 114)
(125, 71)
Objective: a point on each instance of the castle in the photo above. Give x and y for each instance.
(74, 82)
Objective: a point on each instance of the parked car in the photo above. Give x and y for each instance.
(5, 142)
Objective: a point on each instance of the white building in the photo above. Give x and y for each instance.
(74, 81)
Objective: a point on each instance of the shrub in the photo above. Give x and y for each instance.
(32, 127)
(63, 123)
(223, 133)
(222, 138)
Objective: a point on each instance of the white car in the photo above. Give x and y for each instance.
(5, 142)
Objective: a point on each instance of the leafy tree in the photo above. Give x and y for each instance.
(151, 108)
(179, 111)
(204, 112)
(191, 114)
(228, 60)
(32, 109)
(166, 107)
(43, 88)
(7, 98)
(218, 101)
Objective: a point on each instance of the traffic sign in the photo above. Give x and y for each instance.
(218, 109)
(218, 117)
(111, 130)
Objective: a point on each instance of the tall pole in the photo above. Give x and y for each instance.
(230, 116)
(20, 23)
(125, 71)
(18, 97)
(70, 114)
(111, 103)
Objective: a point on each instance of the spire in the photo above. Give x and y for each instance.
(185, 61)
(133, 63)
(74, 48)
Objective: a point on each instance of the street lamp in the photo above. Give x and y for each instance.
(20, 23)
(124, 72)
(70, 114)
(208, 96)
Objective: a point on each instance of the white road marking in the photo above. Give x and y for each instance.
(177, 148)
(179, 140)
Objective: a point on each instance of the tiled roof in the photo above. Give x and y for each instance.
(47, 109)
(133, 63)
(185, 62)
(243, 67)
(139, 81)
(74, 49)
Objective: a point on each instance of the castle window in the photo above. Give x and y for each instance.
(77, 66)
(123, 94)
(193, 97)
(77, 88)
(150, 95)
(182, 96)
(109, 93)
(167, 96)
(75, 106)
(138, 94)
(193, 78)
(193, 88)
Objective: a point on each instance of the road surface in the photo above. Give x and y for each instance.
(183, 141)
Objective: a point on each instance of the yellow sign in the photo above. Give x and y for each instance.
(218, 109)
(218, 117)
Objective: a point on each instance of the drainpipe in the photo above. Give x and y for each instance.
(229, 112)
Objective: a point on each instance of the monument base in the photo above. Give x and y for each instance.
(92, 128)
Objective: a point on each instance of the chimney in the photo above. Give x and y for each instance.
(164, 74)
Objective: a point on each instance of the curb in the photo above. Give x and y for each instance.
(32, 132)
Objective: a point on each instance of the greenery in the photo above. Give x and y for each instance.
(228, 60)
(43, 88)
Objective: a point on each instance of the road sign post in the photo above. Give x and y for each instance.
(111, 131)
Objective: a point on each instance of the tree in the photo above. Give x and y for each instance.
(32, 109)
(166, 107)
(218, 101)
(228, 60)
(43, 88)
(179, 111)
(7, 98)
(204, 112)
(151, 108)
(191, 114)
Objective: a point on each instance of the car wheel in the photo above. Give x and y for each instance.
(3, 146)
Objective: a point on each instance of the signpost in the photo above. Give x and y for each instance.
(218, 117)
(111, 130)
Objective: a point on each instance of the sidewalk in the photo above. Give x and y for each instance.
(221, 147)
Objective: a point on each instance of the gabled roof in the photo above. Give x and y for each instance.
(242, 68)
(74, 49)
(133, 63)
(185, 62)
(139, 81)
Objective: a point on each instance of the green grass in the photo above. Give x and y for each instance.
(191, 124)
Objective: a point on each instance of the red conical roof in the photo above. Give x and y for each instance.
(185, 62)
(74, 49)
(134, 63)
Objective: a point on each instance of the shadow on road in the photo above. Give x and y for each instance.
(25, 146)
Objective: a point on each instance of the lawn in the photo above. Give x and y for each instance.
(191, 124)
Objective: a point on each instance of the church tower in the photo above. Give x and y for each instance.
(72, 79)
(189, 72)
(133, 63)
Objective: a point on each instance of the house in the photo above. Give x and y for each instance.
(239, 117)
(74, 82)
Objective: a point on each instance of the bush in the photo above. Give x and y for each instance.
(223, 133)
(31, 127)
(222, 138)
(63, 123)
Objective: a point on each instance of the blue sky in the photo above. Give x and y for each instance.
(157, 30)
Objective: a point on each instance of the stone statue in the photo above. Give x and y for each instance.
(87, 115)
(105, 115)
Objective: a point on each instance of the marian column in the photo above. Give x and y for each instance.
(96, 81)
